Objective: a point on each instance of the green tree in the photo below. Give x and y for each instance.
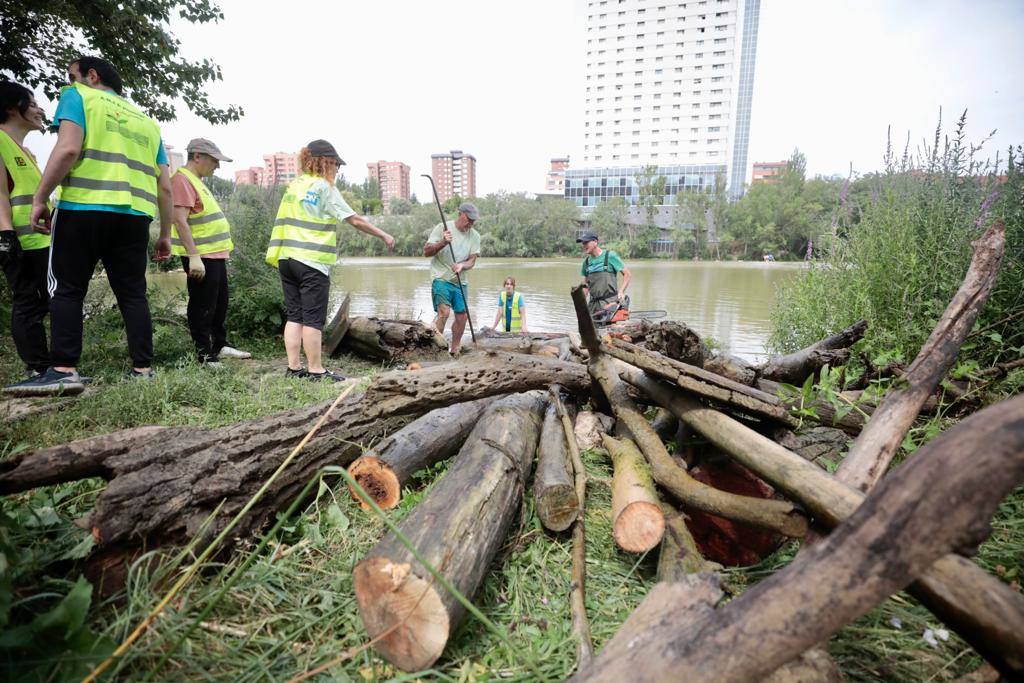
(400, 206)
(609, 219)
(371, 189)
(39, 39)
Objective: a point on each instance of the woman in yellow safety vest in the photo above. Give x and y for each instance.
(511, 309)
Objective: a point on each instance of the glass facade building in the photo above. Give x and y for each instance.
(741, 127)
(588, 186)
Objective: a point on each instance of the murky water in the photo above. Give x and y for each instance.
(728, 301)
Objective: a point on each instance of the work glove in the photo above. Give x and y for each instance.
(196, 267)
(10, 247)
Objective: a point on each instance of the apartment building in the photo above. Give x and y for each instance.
(393, 179)
(454, 174)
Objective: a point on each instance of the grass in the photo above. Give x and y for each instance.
(293, 609)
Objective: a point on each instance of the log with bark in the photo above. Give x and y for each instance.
(393, 340)
(938, 502)
(637, 520)
(386, 468)
(162, 489)
(679, 555)
(337, 328)
(554, 489)
(457, 528)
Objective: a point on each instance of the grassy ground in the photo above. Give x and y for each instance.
(293, 609)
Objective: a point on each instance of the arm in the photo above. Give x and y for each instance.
(165, 203)
(431, 248)
(625, 282)
(196, 267)
(498, 317)
(522, 318)
(62, 158)
(6, 212)
(365, 226)
(465, 265)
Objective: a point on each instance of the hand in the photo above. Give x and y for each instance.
(196, 267)
(446, 236)
(10, 247)
(162, 250)
(389, 241)
(620, 296)
(39, 219)
(458, 267)
(525, 332)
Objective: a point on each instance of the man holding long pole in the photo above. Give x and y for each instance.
(452, 253)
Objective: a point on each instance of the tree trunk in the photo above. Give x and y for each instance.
(637, 521)
(554, 492)
(794, 368)
(391, 340)
(897, 533)
(337, 329)
(665, 424)
(679, 555)
(677, 341)
(383, 471)
(458, 527)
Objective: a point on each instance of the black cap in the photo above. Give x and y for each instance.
(322, 148)
(588, 236)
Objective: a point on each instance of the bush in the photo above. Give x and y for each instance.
(900, 249)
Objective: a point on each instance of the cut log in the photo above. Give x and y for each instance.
(554, 490)
(393, 340)
(983, 610)
(794, 368)
(897, 533)
(387, 468)
(337, 329)
(677, 341)
(679, 556)
(457, 528)
(637, 521)
(665, 424)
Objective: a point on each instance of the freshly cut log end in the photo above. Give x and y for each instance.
(408, 609)
(378, 480)
(639, 527)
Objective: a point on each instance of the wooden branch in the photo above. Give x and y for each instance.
(938, 502)
(874, 449)
(679, 555)
(387, 468)
(637, 521)
(457, 527)
(986, 612)
(554, 493)
(388, 340)
(794, 368)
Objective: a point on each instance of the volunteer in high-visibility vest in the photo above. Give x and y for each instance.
(511, 315)
(201, 236)
(303, 247)
(24, 252)
(112, 171)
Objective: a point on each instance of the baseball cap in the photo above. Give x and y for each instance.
(322, 148)
(588, 236)
(204, 146)
(472, 213)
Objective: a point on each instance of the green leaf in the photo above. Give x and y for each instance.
(80, 550)
(70, 613)
(337, 518)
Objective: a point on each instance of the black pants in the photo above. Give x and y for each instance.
(30, 303)
(79, 240)
(208, 307)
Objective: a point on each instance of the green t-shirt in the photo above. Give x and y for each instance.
(596, 264)
(465, 244)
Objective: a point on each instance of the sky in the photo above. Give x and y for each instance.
(402, 79)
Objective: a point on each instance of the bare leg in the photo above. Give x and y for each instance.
(292, 343)
(458, 327)
(312, 341)
(442, 317)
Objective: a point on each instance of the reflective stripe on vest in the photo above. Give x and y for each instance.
(210, 229)
(298, 235)
(117, 165)
(517, 318)
(22, 170)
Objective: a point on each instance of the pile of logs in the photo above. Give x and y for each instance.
(709, 469)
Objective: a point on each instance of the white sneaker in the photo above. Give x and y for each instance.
(230, 352)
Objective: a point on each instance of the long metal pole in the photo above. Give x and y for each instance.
(462, 289)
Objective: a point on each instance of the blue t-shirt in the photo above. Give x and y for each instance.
(71, 108)
(508, 307)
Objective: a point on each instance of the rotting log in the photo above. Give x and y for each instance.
(638, 523)
(678, 341)
(775, 515)
(391, 340)
(938, 502)
(794, 368)
(874, 449)
(385, 469)
(983, 610)
(337, 328)
(554, 490)
(457, 528)
(679, 555)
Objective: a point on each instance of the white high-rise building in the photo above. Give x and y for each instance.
(667, 84)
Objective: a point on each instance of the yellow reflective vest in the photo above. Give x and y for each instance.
(117, 166)
(517, 317)
(22, 169)
(210, 229)
(299, 235)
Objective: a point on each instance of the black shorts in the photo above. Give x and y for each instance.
(306, 292)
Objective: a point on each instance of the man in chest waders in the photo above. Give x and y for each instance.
(600, 277)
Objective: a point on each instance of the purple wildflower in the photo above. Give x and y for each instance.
(985, 206)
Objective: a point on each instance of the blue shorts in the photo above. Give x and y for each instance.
(446, 293)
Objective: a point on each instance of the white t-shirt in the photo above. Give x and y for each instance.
(323, 200)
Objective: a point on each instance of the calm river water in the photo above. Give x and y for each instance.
(728, 301)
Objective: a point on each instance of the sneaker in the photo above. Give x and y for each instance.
(49, 383)
(231, 352)
(301, 372)
(144, 375)
(326, 376)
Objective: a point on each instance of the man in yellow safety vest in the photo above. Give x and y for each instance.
(201, 236)
(111, 166)
(24, 252)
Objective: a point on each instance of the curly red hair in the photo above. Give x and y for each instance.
(324, 167)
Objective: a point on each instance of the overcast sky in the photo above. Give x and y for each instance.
(399, 80)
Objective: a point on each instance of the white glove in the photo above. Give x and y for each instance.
(196, 267)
